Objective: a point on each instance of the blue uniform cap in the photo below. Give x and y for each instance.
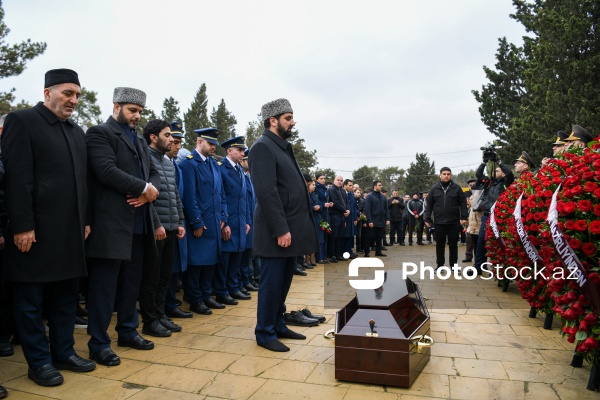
(239, 141)
(177, 129)
(208, 134)
(246, 154)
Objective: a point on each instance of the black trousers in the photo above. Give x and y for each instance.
(396, 234)
(417, 225)
(446, 233)
(198, 282)
(375, 234)
(337, 227)
(58, 300)
(6, 307)
(114, 285)
(156, 275)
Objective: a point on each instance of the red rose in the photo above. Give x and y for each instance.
(590, 318)
(590, 187)
(589, 249)
(594, 277)
(595, 227)
(597, 193)
(591, 343)
(570, 206)
(581, 225)
(583, 326)
(585, 205)
(575, 243)
(571, 296)
(597, 209)
(570, 225)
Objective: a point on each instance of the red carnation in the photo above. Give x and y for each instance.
(570, 206)
(595, 227)
(589, 249)
(581, 225)
(575, 243)
(585, 205)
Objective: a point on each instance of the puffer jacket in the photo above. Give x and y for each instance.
(168, 203)
(446, 206)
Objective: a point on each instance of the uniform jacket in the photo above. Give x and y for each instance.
(376, 209)
(282, 200)
(114, 174)
(45, 191)
(238, 209)
(180, 251)
(447, 206)
(321, 191)
(204, 205)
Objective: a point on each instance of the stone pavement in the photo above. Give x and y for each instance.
(486, 348)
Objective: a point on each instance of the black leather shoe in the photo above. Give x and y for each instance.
(244, 291)
(105, 357)
(6, 349)
(420, 244)
(241, 296)
(333, 260)
(467, 260)
(137, 342)
(296, 318)
(211, 303)
(289, 334)
(3, 392)
(319, 318)
(250, 287)
(230, 301)
(380, 255)
(169, 325)
(274, 345)
(178, 313)
(155, 329)
(384, 248)
(401, 244)
(298, 271)
(76, 364)
(353, 256)
(367, 254)
(200, 308)
(47, 375)
(307, 266)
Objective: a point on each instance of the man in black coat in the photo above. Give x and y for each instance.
(378, 216)
(283, 223)
(123, 184)
(44, 155)
(447, 205)
(396, 206)
(337, 218)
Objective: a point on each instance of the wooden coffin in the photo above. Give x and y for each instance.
(391, 355)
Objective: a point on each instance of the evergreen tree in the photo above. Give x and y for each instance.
(170, 111)
(196, 117)
(87, 112)
(13, 59)
(307, 159)
(253, 131)
(365, 176)
(147, 115)
(421, 175)
(463, 176)
(547, 84)
(225, 121)
(392, 178)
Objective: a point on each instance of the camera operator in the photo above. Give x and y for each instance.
(492, 188)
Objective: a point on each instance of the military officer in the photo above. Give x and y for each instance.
(205, 210)
(238, 223)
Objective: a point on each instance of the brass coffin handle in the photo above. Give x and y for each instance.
(330, 335)
(422, 341)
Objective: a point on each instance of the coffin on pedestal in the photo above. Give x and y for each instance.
(400, 348)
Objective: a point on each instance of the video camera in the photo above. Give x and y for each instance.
(489, 153)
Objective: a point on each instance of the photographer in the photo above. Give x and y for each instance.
(492, 188)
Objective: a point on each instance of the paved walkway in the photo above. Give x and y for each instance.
(486, 348)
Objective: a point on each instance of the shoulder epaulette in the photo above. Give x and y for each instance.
(220, 163)
(190, 156)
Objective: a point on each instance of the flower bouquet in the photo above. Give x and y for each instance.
(324, 225)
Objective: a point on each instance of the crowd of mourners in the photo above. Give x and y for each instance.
(117, 220)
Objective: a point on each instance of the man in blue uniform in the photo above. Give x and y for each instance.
(238, 222)
(205, 210)
(250, 264)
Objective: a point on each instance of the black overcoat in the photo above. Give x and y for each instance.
(114, 174)
(45, 191)
(282, 200)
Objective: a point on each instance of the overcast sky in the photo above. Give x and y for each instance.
(371, 82)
